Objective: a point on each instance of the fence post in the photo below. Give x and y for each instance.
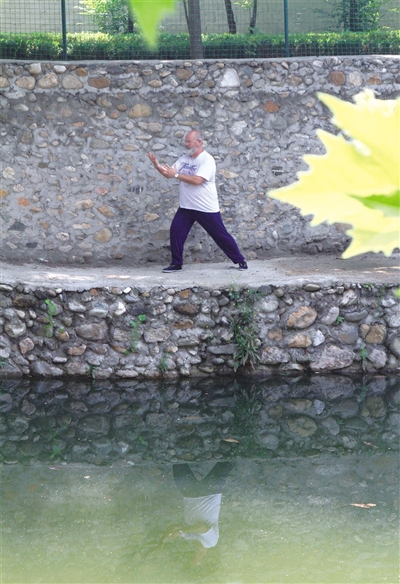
(286, 19)
(64, 29)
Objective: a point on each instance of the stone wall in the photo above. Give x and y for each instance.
(76, 185)
(103, 333)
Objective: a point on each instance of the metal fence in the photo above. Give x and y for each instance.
(271, 17)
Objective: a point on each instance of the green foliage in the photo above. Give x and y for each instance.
(55, 451)
(338, 321)
(54, 444)
(363, 354)
(3, 362)
(135, 334)
(244, 328)
(30, 46)
(356, 15)
(365, 194)
(110, 16)
(149, 17)
(51, 311)
(163, 365)
(51, 307)
(105, 46)
(141, 439)
(248, 403)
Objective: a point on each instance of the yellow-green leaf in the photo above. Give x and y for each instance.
(375, 124)
(148, 15)
(357, 181)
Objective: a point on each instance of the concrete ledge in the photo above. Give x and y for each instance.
(297, 315)
(294, 270)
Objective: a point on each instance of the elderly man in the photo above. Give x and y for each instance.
(198, 201)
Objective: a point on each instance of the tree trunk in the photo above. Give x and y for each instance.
(196, 48)
(230, 16)
(186, 13)
(253, 18)
(131, 25)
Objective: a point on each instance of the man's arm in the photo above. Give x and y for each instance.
(175, 530)
(170, 172)
(157, 165)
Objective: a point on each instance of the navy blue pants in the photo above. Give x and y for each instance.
(212, 222)
(212, 484)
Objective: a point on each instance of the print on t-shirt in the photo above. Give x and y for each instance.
(188, 168)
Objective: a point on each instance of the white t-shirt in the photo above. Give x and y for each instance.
(202, 197)
(202, 510)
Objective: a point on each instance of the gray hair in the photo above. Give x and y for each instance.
(197, 133)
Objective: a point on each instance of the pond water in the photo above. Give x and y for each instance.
(223, 481)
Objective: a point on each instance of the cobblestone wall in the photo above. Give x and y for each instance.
(76, 185)
(126, 333)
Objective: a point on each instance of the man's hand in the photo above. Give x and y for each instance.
(164, 170)
(152, 157)
(169, 171)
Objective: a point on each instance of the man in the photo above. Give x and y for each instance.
(201, 507)
(198, 201)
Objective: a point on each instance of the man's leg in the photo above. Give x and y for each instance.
(216, 478)
(212, 223)
(179, 230)
(185, 480)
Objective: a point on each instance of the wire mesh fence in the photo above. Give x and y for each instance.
(224, 28)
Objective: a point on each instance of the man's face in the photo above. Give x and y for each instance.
(192, 144)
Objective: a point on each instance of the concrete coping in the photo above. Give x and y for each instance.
(324, 270)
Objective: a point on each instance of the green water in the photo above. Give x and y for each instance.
(281, 520)
(93, 479)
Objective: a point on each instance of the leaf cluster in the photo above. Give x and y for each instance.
(365, 193)
(244, 328)
(135, 332)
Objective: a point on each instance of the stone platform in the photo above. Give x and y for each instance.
(308, 314)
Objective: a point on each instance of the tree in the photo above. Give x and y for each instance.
(196, 47)
(110, 16)
(251, 6)
(230, 17)
(253, 19)
(356, 15)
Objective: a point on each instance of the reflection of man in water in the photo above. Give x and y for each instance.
(201, 506)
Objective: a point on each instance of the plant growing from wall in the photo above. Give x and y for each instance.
(163, 365)
(244, 327)
(51, 311)
(135, 334)
(363, 354)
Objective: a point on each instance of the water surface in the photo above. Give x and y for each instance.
(308, 474)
